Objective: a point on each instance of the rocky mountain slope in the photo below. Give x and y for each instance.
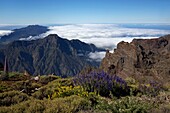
(31, 30)
(49, 55)
(143, 59)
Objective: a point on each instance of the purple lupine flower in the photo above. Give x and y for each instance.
(102, 82)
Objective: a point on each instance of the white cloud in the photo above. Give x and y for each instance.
(101, 31)
(35, 37)
(102, 35)
(5, 32)
(97, 56)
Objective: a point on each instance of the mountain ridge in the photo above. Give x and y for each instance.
(51, 54)
(25, 32)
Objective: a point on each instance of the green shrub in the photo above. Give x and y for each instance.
(4, 76)
(104, 106)
(5, 110)
(47, 79)
(54, 88)
(2, 88)
(43, 93)
(131, 105)
(70, 104)
(36, 106)
(133, 86)
(12, 97)
(16, 76)
(30, 106)
(161, 109)
(151, 89)
(35, 85)
(18, 85)
(127, 104)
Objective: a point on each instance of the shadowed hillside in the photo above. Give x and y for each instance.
(49, 55)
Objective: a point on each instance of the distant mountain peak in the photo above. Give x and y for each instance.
(35, 25)
(53, 35)
(31, 30)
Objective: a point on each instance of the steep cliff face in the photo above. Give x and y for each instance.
(143, 59)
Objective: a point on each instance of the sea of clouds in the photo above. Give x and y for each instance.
(101, 35)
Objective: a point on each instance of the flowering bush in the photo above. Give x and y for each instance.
(102, 83)
(65, 91)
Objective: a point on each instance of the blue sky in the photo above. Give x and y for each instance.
(84, 11)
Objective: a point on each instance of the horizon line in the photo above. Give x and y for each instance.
(76, 24)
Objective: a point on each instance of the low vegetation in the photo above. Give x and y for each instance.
(95, 92)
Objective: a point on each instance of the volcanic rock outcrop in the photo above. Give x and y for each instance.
(142, 59)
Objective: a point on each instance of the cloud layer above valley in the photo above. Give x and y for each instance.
(102, 35)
